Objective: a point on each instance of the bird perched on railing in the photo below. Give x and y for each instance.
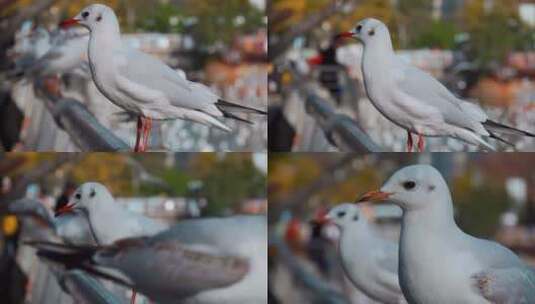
(414, 100)
(144, 85)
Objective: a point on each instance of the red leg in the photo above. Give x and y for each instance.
(133, 300)
(140, 126)
(146, 132)
(409, 142)
(421, 143)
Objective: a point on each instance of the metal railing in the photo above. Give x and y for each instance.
(85, 289)
(87, 133)
(341, 130)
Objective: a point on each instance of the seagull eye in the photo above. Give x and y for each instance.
(371, 32)
(78, 196)
(93, 193)
(85, 14)
(341, 214)
(99, 18)
(356, 217)
(409, 185)
(359, 27)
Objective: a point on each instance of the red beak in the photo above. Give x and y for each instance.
(69, 23)
(344, 35)
(69, 208)
(374, 196)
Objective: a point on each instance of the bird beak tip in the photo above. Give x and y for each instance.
(69, 23)
(344, 35)
(65, 209)
(374, 196)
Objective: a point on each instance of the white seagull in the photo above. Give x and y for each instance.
(67, 55)
(438, 262)
(109, 220)
(413, 99)
(143, 85)
(209, 260)
(369, 260)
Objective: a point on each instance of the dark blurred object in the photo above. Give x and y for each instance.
(464, 72)
(316, 248)
(329, 66)
(281, 133)
(12, 280)
(63, 199)
(10, 121)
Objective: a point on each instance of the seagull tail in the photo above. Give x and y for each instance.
(226, 107)
(498, 127)
(76, 257)
(493, 135)
(235, 117)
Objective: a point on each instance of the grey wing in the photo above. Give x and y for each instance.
(425, 88)
(514, 285)
(179, 270)
(147, 71)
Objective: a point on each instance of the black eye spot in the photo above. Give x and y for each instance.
(371, 32)
(356, 217)
(78, 196)
(92, 193)
(99, 18)
(359, 27)
(409, 185)
(431, 187)
(85, 15)
(341, 214)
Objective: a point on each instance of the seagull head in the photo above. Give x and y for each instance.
(367, 31)
(92, 17)
(412, 187)
(88, 197)
(344, 215)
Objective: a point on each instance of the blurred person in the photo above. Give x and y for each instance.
(318, 243)
(328, 76)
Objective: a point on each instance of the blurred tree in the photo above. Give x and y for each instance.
(107, 168)
(211, 24)
(495, 29)
(439, 34)
(479, 204)
(227, 179)
(411, 14)
(291, 19)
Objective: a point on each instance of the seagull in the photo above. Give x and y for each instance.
(144, 85)
(72, 228)
(438, 262)
(109, 220)
(369, 260)
(413, 99)
(67, 55)
(209, 260)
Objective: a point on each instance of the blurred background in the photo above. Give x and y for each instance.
(482, 50)
(493, 195)
(167, 186)
(220, 44)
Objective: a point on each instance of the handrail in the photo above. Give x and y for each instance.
(87, 133)
(321, 290)
(85, 289)
(340, 129)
